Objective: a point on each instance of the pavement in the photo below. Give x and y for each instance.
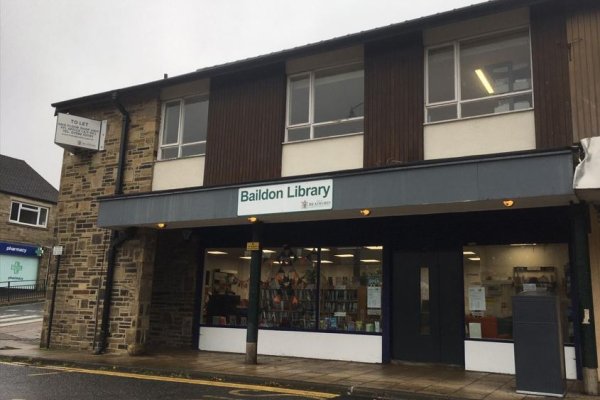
(391, 381)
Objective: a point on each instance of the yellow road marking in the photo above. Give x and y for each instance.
(241, 386)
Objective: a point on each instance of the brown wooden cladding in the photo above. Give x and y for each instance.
(246, 126)
(583, 34)
(394, 98)
(549, 49)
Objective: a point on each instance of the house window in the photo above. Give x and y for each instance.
(325, 103)
(482, 76)
(28, 214)
(184, 128)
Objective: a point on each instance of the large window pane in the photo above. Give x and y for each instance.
(195, 119)
(288, 297)
(496, 65)
(171, 126)
(225, 289)
(441, 113)
(28, 215)
(493, 274)
(339, 94)
(299, 100)
(441, 74)
(496, 105)
(350, 289)
(168, 153)
(14, 212)
(42, 217)
(193, 149)
(296, 134)
(341, 128)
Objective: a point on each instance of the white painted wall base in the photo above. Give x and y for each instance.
(325, 346)
(499, 358)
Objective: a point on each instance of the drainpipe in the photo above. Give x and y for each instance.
(117, 238)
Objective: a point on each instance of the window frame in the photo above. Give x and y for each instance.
(179, 145)
(29, 207)
(457, 101)
(311, 102)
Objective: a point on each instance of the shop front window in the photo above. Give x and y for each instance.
(225, 289)
(288, 296)
(350, 289)
(302, 288)
(493, 274)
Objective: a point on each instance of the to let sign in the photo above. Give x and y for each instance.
(73, 132)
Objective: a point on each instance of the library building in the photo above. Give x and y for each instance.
(385, 196)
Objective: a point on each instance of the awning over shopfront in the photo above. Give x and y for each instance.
(531, 179)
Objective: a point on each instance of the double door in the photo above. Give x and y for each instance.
(427, 307)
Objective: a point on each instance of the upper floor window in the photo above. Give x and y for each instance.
(28, 214)
(487, 75)
(184, 128)
(325, 103)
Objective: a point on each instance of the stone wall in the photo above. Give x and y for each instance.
(85, 177)
(173, 294)
(29, 235)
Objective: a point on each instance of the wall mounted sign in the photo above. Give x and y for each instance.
(287, 197)
(15, 249)
(17, 269)
(74, 132)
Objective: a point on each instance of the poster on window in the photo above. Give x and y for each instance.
(373, 297)
(17, 269)
(476, 298)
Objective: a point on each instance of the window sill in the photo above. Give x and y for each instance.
(21, 224)
(449, 121)
(181, 158)
(324, 138)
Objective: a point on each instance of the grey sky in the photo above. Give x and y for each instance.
(62, 49)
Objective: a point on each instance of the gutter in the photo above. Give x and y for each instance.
(117, 237)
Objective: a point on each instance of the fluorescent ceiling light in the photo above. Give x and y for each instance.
(326, 262)
(267, 251)
(316, 248)
(370, 261)
(484, 81)
(475, 258)
(216, 252)
(246, 257)
(344, 255)
(523, 244)
(374, 247)
(468, 253)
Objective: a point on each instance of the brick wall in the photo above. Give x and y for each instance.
(85, 177)
(18, 233)
(173, 294)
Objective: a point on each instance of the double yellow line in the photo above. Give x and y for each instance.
(189, 381)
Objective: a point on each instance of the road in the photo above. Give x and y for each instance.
(30, 382)
(22, 322)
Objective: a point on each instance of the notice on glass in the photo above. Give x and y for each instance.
(374, 297)
(476, 298)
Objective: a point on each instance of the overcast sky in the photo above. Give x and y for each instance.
(53, 50)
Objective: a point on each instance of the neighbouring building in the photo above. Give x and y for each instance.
(27, 213)
(402, 183)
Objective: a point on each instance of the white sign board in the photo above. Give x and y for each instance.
(17, 269)
(57, 250)
(77, 132)
(287, 197)
(476, 298)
